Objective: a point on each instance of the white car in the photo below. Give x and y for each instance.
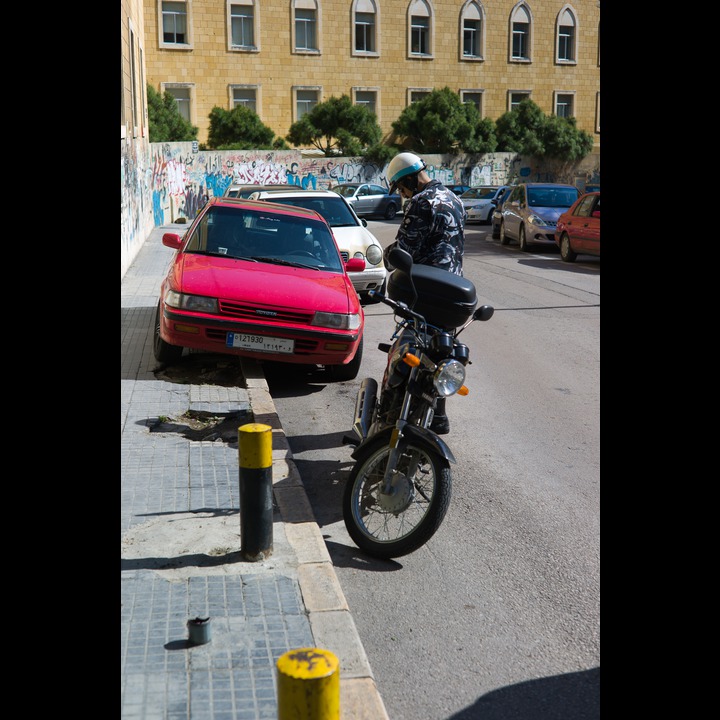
(350, 231)
(478, 202)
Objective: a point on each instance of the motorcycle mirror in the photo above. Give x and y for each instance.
(484, 312)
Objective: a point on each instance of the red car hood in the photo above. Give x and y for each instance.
(275, 285)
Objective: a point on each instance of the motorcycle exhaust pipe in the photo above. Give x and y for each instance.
(364, 404)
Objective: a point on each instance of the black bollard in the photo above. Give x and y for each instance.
(256, 494)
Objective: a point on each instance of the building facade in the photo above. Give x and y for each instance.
(282, 57)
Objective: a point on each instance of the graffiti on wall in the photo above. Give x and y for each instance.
(182, 180)
(135, 213)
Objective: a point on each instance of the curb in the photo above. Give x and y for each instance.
(330, 619)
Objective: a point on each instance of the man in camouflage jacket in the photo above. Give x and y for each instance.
(433, 226)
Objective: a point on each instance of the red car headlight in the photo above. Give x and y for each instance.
(194, 303)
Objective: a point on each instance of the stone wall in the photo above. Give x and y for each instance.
(163, 183)
(182, 176)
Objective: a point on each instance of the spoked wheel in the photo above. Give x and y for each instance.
(388, 526)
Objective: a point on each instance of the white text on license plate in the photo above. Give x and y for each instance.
(259, 343)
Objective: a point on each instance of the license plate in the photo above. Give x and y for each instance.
(259, 343)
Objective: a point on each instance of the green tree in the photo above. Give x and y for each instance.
(520, 130)
(563, 140)
(527, 130)
(380, 153)
(165, 122)
(442, 123)
(240, 129)
(337, 127)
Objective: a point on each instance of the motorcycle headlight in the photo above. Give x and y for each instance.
(449, 377)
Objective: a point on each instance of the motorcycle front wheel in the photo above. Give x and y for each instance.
(389, 526)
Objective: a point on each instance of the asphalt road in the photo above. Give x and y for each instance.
(498, 615)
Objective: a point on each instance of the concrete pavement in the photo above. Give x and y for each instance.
(180, 544)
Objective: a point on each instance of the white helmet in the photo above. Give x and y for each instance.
(402, 165)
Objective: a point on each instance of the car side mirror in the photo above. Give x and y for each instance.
(596, 213)
(172, 240)
(363, 221)
(355, 265)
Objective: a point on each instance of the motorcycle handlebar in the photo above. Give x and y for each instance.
(399, 307)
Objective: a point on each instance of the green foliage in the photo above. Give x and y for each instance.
(165, 123)
(520, 129)
(379, 153)
(337, 127)
(239, 129)
(528, 131)
(564, 141)
(441, 123)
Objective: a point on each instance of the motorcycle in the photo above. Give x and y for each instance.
(399, 488)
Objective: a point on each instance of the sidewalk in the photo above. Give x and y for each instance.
(180, 545)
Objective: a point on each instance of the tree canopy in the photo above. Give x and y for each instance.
(337, 127)
(527, 130)
(165, 123)
(240, 129)
(441, 123)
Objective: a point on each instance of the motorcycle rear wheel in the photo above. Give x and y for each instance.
(389, 527)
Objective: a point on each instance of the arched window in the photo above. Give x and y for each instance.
(472, 31)
(566, 37)
(420, 29)
(520, 33)
(364, 27)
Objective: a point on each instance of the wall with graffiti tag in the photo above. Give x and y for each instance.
(177, 178)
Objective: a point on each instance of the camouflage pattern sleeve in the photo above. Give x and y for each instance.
(433, 228)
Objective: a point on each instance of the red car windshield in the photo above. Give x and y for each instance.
(265, 237)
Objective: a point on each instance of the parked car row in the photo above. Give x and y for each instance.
(545, 214)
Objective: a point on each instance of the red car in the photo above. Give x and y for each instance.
(261, 280)
(578, 228)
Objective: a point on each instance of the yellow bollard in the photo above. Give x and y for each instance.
(308, 685)
(256, 506)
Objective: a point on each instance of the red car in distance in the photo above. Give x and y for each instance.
(261, 280)
(578, 228)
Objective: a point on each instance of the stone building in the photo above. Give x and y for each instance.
(281, 57)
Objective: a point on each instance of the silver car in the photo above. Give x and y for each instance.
(530, 213)
(478, 202)
(370, 199)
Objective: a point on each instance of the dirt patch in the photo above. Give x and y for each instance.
(196, 425)
(204, 369)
